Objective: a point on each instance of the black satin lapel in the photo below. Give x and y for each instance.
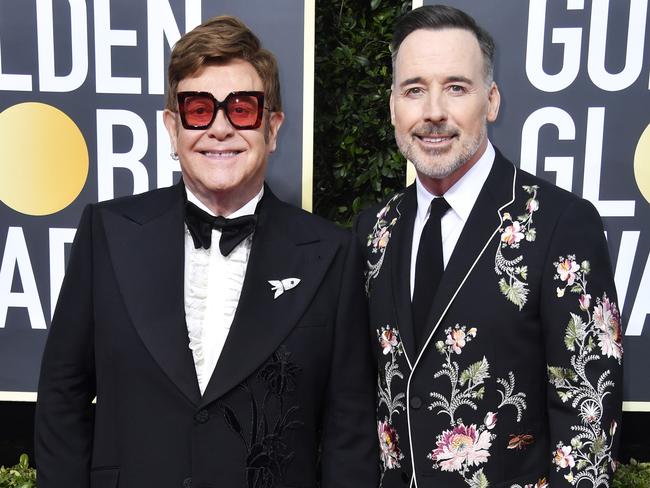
(480, 228)
(261, 321)
(148, 257)
(399, 255)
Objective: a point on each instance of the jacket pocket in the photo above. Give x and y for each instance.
(104, 478)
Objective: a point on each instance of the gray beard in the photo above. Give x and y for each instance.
(437, 169)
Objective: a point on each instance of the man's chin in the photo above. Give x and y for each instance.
(439, 169)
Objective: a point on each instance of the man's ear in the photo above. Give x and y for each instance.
(171, 124)
(494, 100)
(275, 122)
(392, 107)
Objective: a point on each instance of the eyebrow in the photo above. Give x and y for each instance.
(449, 79)
(461, 79)
(411, 81)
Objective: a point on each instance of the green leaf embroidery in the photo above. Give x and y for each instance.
(479, 480)
(503, 286)
(598, 445)
(515, 293)
(575, 332)
(476, 372)
(559, 375)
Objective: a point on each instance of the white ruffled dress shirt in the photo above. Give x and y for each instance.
(461, 198)
(213, 284)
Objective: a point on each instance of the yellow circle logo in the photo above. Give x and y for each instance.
(43, 159)
(642, 164)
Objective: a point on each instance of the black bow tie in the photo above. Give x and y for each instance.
(233, 231)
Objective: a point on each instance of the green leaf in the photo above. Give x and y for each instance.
(590, 344)
(475, 373)
(559, 375)
(478, 480)
(576, 288)
(515, 293)
(575, 332)
(503, 286)
(598, 445)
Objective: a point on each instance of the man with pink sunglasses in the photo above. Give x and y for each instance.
(223, 332)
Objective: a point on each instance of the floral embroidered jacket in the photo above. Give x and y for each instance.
(519, 381)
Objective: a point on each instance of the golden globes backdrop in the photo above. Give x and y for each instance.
(574, 77)
(81, 99)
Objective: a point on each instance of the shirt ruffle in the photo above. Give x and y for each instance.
(213, 285)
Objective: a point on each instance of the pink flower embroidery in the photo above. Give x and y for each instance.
(456, 339)
(567, 270)
(490, 420)
(388, 340)
(564, 458)
(612, 428)
(390, 452)
(512, 234)
(461, 446)
(608, 321)
(532, 205)
(585, 301)
(382, 213)
(381, 240)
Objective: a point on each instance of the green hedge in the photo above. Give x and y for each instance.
(356, 162)
(19, 476)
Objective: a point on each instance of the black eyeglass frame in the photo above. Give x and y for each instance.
(182, 96)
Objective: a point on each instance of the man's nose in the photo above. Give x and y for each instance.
(435, 107)
(221, 126)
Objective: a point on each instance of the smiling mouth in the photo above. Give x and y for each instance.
(220, 154)
(435, 139)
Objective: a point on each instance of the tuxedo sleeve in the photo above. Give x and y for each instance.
(349, 448)
(64, 416)
(583, 341)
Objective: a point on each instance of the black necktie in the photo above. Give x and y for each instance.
(428, 268)
(233, 231)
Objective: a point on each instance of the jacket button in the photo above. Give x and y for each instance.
(202, 416)
(416, 402)
(187, 483)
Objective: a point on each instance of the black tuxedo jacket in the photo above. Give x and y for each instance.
(290, 402)
(518, 383)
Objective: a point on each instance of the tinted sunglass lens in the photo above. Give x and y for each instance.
(198, 110)
(243, 110)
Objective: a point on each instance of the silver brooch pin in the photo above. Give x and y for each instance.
(280, 286)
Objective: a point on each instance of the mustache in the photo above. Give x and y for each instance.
(430, 129)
